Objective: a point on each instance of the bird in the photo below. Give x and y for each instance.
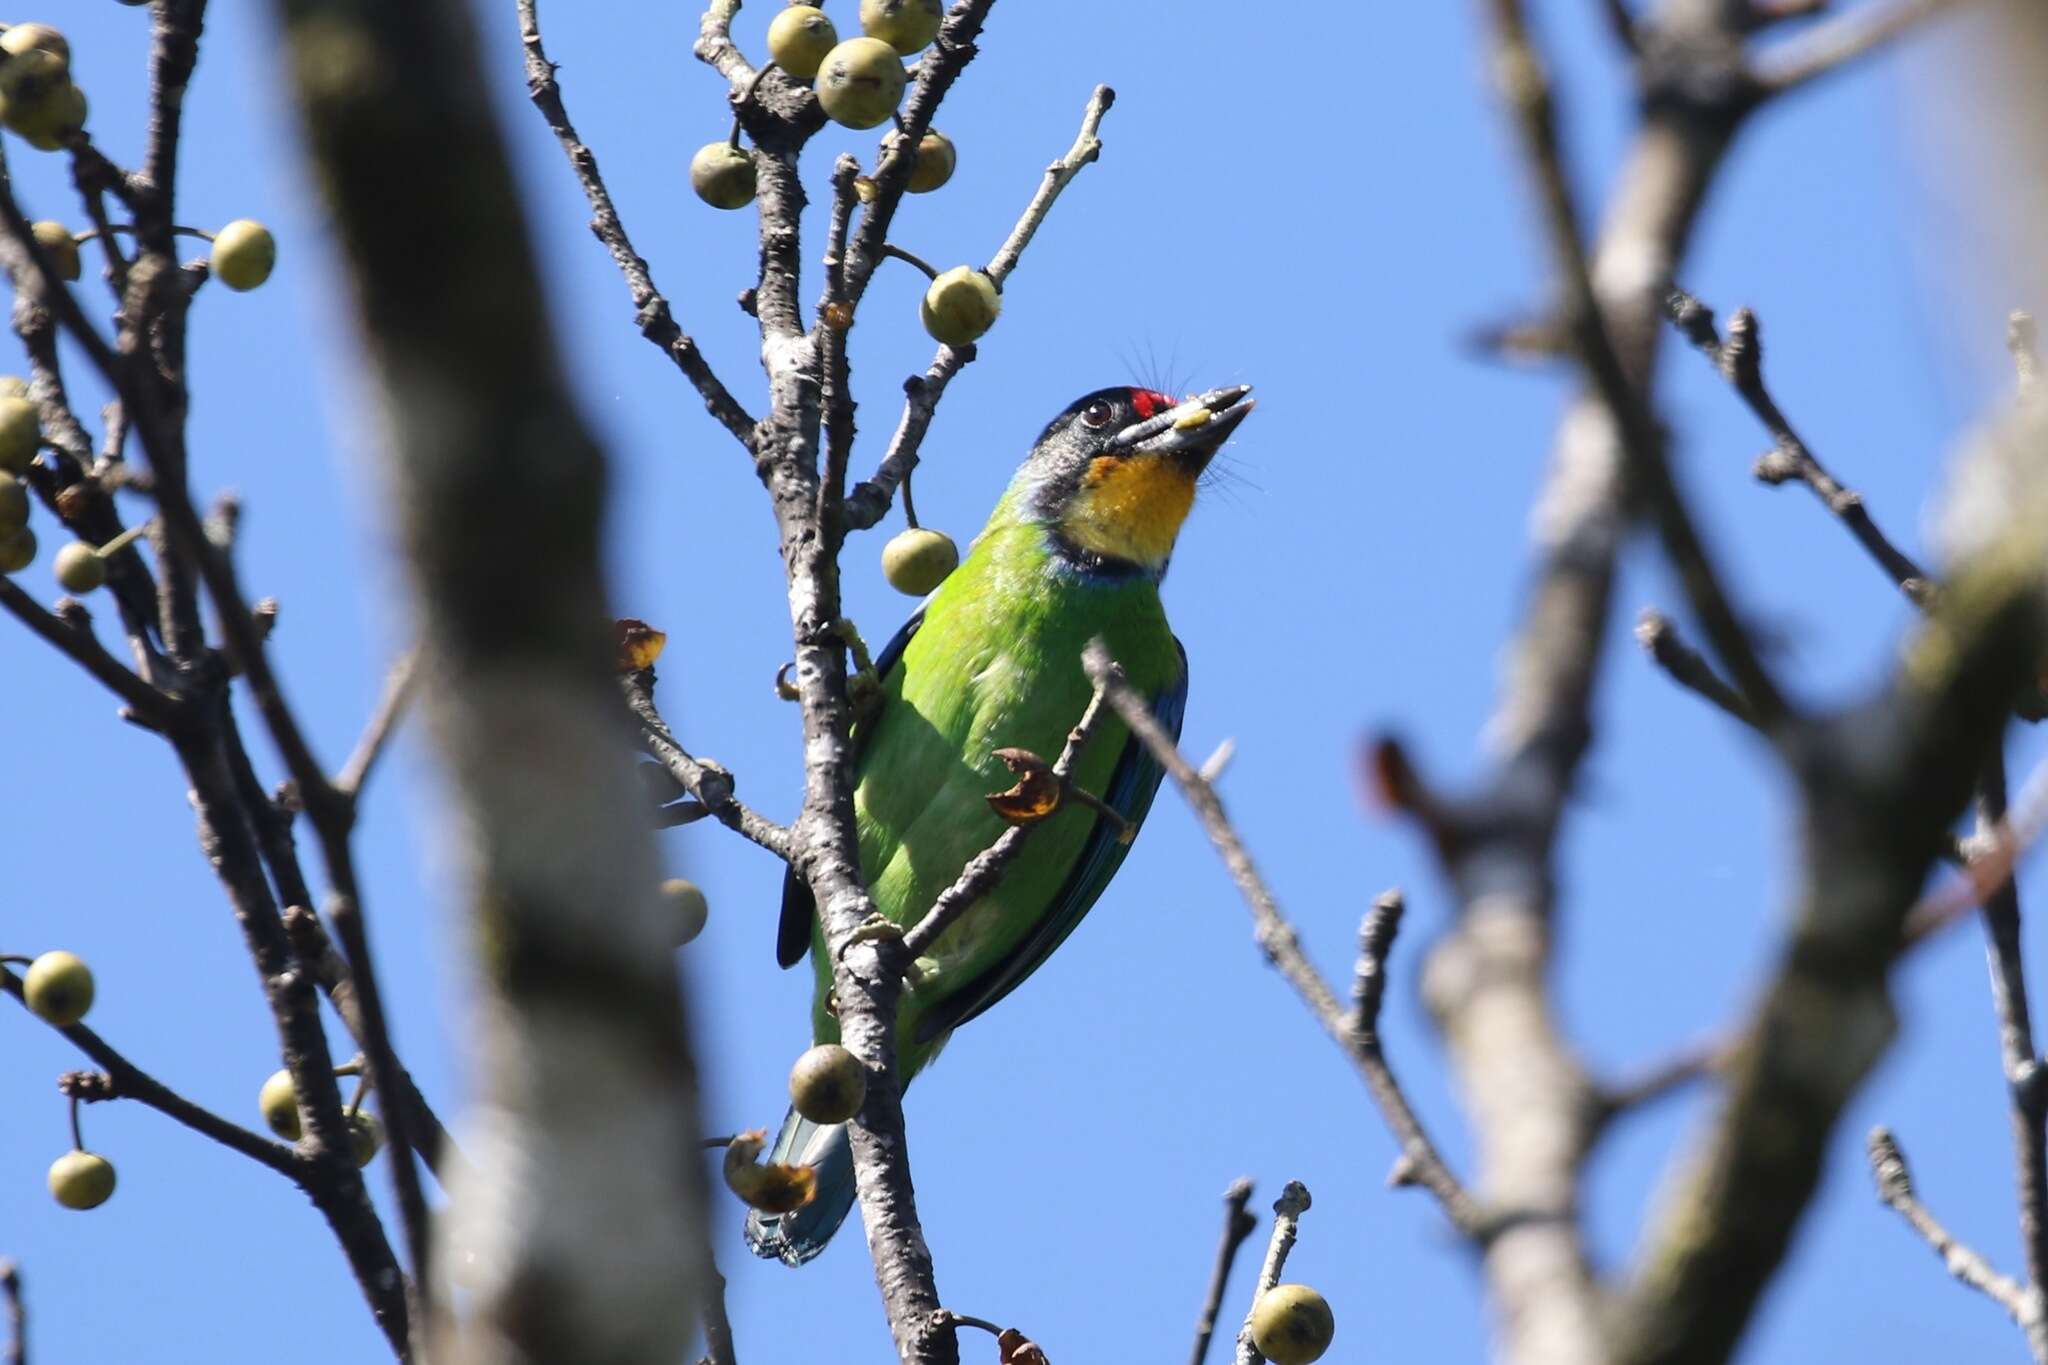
(1074, 550)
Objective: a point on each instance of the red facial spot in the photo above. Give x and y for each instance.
(1149, 402)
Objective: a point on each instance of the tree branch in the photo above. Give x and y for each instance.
(651, 309)
(701, 778)
(129, 1081)
(1354, 1031)
(1237, 1225)
(869, 501)
(1895, 1188)
(1839, 42)
(1287, 1211)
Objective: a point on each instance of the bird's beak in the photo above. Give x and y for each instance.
(1192, 431)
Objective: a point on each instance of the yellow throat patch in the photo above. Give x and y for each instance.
(1130, 507)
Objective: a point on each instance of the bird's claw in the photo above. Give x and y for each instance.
(875, 928)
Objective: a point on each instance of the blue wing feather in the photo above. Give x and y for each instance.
(1131, 788)
(793, 933)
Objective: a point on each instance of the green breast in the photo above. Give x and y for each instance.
(996, 664)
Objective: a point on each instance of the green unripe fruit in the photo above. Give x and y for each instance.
(13, 503)
(1292, 1325)
(860, 82)
(723, 175)
(799, 38)
(365, 1136)
(828, 1084)
(79, 568)
(961, 305)
(905, 25)
(17, 549)
(13, 386)
(21, 434)
(82, 1180)
(933, 163)
(243, 254)
(688, 910)
(20, 38)
(28, 80)
(55, 238)
(279, 1101)
(57, 988)
(918, 560)
(45, 120)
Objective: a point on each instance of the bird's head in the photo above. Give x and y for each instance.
(1112, 477)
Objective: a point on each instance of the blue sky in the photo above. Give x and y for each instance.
(1323, 213)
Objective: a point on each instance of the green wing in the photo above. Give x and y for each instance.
(1131, 788)
(793, 933)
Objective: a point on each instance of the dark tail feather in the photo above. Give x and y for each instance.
(794, 1238)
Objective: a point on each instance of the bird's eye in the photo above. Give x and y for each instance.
(1097, 414)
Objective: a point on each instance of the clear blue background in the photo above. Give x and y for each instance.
(1322, 211)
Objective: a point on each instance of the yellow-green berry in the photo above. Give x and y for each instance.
(905, 25)
(723, 175)
(79, 568)
(365, 1136)
(828, 1084)
(860, 82)
(82, 1180)
(20, 38)
(279, 1101)
(243, 254)
(1292, 1325)
(57, 988)
(934, 162)
(28, 80)
(918, 560)
(45, 118)
(799, 38)
(13, 386)
(13, 503)
(961, 305)
(55, 239)
(17, 549)
(21, 434)
(687, 908)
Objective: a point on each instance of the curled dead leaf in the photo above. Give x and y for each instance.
(771, 1188)
(1015, 1349)
(1037, 792)
(638, 643)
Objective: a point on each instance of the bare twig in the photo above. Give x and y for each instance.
(651, 309)
(869, 501)
(1237, 1225)
(1524, 85)
(1287, 1210)
(1621, 22)
(383, 1074)
(1666, 1078)
(702, 779)
(1839, 42)
(313, 948)
(1420, 1162)
(73, 635)
(129, 1081)
(17, 1313)
(383, 723)
(1895, 1188)
(1687, 667)
(1740, 361)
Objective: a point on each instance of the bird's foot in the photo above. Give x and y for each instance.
(875, 928)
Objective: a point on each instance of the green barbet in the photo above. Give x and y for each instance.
(1074, 550)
